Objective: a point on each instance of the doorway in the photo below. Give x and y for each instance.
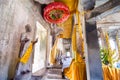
(40, 50)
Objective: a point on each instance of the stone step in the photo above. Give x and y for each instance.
(57, 66)
(54, 76)
(54, 71)
(55, 79)
(36, 78)
(46, 78)
(57, 73)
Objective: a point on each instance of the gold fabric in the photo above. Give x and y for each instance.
(52, 56)
(24, 59)
(111, 73)
(74, 46)
(67, 25)
(72, 4)
(110, 51)
(76, 70)
(108, 72)
(79, 29)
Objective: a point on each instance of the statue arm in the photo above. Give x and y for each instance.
(35, 41)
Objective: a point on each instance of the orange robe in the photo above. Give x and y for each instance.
(77, 70)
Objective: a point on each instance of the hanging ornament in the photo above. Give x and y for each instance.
(56, 12)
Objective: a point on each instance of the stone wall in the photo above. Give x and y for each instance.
(14, 15)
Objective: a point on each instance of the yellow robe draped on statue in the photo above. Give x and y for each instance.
(108, 72)
(24, 59)
(52, 56)
(76, 70)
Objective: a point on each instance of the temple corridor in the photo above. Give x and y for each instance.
(59, 39)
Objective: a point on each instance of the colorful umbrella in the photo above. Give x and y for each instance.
(56, 12)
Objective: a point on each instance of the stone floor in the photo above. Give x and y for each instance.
(53, 74)
(36, 78)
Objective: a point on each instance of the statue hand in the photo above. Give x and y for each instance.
(35, 41)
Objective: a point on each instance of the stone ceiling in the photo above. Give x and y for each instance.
(114, 19)
(100, 2)
(111, 24)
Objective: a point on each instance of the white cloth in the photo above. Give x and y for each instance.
(66, 62)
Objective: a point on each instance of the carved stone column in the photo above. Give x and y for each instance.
(93, 62)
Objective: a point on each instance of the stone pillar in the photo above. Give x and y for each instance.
(93, 62)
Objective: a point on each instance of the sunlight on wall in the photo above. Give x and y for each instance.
(112, 44)
(115, 56)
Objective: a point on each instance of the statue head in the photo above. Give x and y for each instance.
(28, 28)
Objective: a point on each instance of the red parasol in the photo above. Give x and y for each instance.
(56, 12)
